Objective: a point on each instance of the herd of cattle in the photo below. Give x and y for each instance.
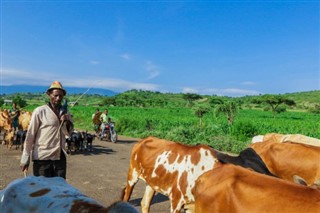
(77, 140)
(6, 128)
(276, 173)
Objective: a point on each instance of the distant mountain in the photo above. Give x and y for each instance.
(42, 89)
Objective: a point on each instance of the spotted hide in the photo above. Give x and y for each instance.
(233, 189)
(169, 168)
(52, 195)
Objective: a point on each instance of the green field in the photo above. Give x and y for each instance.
(182, 125)
(170, 116)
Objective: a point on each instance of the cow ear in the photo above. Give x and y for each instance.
(299, 180)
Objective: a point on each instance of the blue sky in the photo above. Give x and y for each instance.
(232, 48)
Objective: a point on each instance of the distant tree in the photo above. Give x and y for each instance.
(274, 101)
(190, 97)
(109, 101)
(215, 101)
(200, 110)
(19, 101)
(229, 109)
(1, 101)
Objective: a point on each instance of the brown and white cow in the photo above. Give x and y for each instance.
(231, 188)
(41, 194)
(169, 168)
(285, 160)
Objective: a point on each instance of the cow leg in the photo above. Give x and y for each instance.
(176, 200)
(17, 141)
(146, 200)
(189, 208)
(131, 182)
(20, 141)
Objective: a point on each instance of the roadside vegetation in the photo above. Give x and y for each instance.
(227, 124)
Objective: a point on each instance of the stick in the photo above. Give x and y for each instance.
(25, 172)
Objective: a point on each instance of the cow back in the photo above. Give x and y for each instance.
(288, 159)
(235, 189)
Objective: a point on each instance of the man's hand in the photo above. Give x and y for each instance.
(65, 117)
(24, 167)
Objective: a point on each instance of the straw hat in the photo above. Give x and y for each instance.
(56, 85)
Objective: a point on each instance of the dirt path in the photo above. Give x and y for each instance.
(100, 174)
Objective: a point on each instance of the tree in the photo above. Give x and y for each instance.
(229, 109)
(19, 101)
(200, 110)
(274, 101)
(190, 97)
(215, 101)
(109, 101)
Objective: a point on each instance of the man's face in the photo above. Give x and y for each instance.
(56, 97)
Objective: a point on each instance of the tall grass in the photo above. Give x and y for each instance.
(180, 124)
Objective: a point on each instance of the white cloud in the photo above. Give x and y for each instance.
(113, 84)
(189, 90)
(249, 83)
(126, 56)
(152, 69)
(93, 62)
(13, 77)
(233, 92)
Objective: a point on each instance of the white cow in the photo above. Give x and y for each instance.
(40, 194)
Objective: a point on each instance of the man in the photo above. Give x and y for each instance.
(45, 137)
(104, 117)
(14, 113)
(96, 121)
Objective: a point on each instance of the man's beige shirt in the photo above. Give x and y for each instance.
(44, 138)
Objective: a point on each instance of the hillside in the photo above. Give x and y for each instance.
(307, 98)
(140, 98)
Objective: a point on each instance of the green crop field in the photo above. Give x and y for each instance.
(144, 113)
(182, 125)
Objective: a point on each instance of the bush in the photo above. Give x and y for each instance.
(243, 131)
(280, 109)
(315, 109)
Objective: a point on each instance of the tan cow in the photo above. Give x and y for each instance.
(283, 138)
(24, 120)
(6, 126)
(8, 139)
(169, 168)
(233, 189)
(286, 160)
(5, 120)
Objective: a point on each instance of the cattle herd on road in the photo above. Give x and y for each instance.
(270, 176)
(276, 173)
(6, 128)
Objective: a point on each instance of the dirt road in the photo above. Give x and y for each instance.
(100, 174)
